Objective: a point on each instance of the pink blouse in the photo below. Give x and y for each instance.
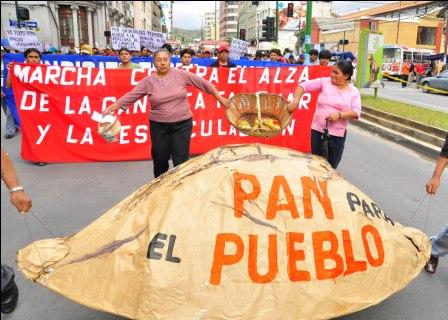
(167, 95)
(332, 99)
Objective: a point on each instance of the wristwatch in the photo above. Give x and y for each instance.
(15, 189)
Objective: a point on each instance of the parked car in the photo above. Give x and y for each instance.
(437, 82)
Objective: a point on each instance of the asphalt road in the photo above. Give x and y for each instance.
(411, 95)
(67, 197)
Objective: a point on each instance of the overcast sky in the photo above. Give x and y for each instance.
(188, 14)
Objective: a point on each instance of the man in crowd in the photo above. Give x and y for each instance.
(86, 50)
(324, 57)
(186, 56)
(206, 53)
(223, 58)
(301, 59)
(274, 55)
(314, 54)
(108, 51)
(439, 242)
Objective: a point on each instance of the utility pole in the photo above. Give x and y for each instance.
(216, 38)
(309, 8)
(171, 18)
(276, 21)
(17, 14)
(446, 31)
(398, 27)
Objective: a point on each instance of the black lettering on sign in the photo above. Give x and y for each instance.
(372, 209)
(169, 254)
(352, 199)
(157, 242)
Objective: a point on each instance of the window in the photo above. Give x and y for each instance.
(426, 36)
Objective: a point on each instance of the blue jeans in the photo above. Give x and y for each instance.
(10, 127)
(439, 246)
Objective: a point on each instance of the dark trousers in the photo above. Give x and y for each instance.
(404, 78)
(170, 140)
(336, 147)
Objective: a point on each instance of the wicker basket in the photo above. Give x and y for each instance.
(244, 106)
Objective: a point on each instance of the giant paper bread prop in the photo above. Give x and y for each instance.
(241, 232)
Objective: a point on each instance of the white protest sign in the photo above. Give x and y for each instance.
(21, 39)
(151, 39)
(238, 48)
(125, 38)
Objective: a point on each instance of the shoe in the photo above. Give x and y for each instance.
(41, 164)
(9, 135)
(431, 265)
(9, 299)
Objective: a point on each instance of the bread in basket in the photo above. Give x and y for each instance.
(258, 114)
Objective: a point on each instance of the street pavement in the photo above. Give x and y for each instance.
(411, 95)
(67, 197)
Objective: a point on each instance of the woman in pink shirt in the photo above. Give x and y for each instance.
(171, 122)
(338, 102)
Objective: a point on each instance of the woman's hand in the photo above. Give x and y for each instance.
(225, 102)
(9, 65)
(110, 109)
(334, 116)
(291, 107)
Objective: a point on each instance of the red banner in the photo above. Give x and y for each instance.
(56, 105)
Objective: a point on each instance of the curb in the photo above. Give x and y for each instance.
(410, 123)
(411, 139)
(413, 144)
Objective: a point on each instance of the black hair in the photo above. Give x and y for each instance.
(143, 47)
(186, 51)
(314, 52)
(277, 51)
(124, 49)
(29, 50)
(346, 68)
(168, 47)
(325, 54)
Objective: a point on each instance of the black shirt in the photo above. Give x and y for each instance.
(216, 64)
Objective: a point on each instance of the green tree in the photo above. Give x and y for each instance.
(300, 39)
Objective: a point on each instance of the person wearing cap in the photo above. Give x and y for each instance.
(223, 58)
(86, 49)
(125, 57)
(108, 51)
(206, 53)
(301, 59)
(171, 118)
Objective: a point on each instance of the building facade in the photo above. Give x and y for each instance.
(413, 24)
(148, 15)
(74, 23)
(210, 26)
(251, 15)
(228, 14)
